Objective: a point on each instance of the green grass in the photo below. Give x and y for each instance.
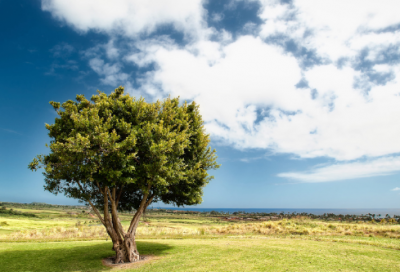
(183, 242)
(224, 254)
(65, 256)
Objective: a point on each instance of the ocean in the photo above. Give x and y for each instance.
(382, 211)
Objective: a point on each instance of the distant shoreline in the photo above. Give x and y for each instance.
(382, 211)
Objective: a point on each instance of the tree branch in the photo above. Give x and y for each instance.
(98, 186)
(145, 207)
(110, 229)
(119, 195)
(115, 218)
(149, 201)
(97, 212)
(136, 217)
(106, 213)
(113, 193)
(93, 207)
(107, 191)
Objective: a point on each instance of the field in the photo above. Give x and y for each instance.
(70, 239)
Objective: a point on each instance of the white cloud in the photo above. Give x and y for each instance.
(128, 17)
(229, 82)
(217, 17)
(345, 171)
(233, 83)
(112, 74)
(111, 51)
(246, 88)
(333, 28)
(396, 189)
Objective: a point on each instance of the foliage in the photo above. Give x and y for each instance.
(119, 141)
(119, 153)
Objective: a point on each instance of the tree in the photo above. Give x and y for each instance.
(117, 153)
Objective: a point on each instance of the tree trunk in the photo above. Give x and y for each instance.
(124, 243)
(126, 251)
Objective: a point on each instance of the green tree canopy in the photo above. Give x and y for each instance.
(118, 153)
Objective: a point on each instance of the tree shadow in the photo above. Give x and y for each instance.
(55, 257)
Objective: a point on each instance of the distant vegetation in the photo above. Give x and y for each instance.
(5, 211)
(39, 205)
(249, 216)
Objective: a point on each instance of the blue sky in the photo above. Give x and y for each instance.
(301, 98)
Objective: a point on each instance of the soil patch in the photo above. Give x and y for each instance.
(143, 260)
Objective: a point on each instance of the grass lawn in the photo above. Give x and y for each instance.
(223, 254)
(69, 240)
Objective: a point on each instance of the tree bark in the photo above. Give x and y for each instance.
(124, 244)
(125, 248)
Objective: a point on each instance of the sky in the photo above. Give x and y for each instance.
(300, 97)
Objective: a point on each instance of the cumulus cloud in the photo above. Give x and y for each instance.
(236, 83)
(334, 29)
(128, 17)
(253, 91)
(345, 171)
(112, 74)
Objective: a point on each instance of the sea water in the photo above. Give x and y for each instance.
(382, 211)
